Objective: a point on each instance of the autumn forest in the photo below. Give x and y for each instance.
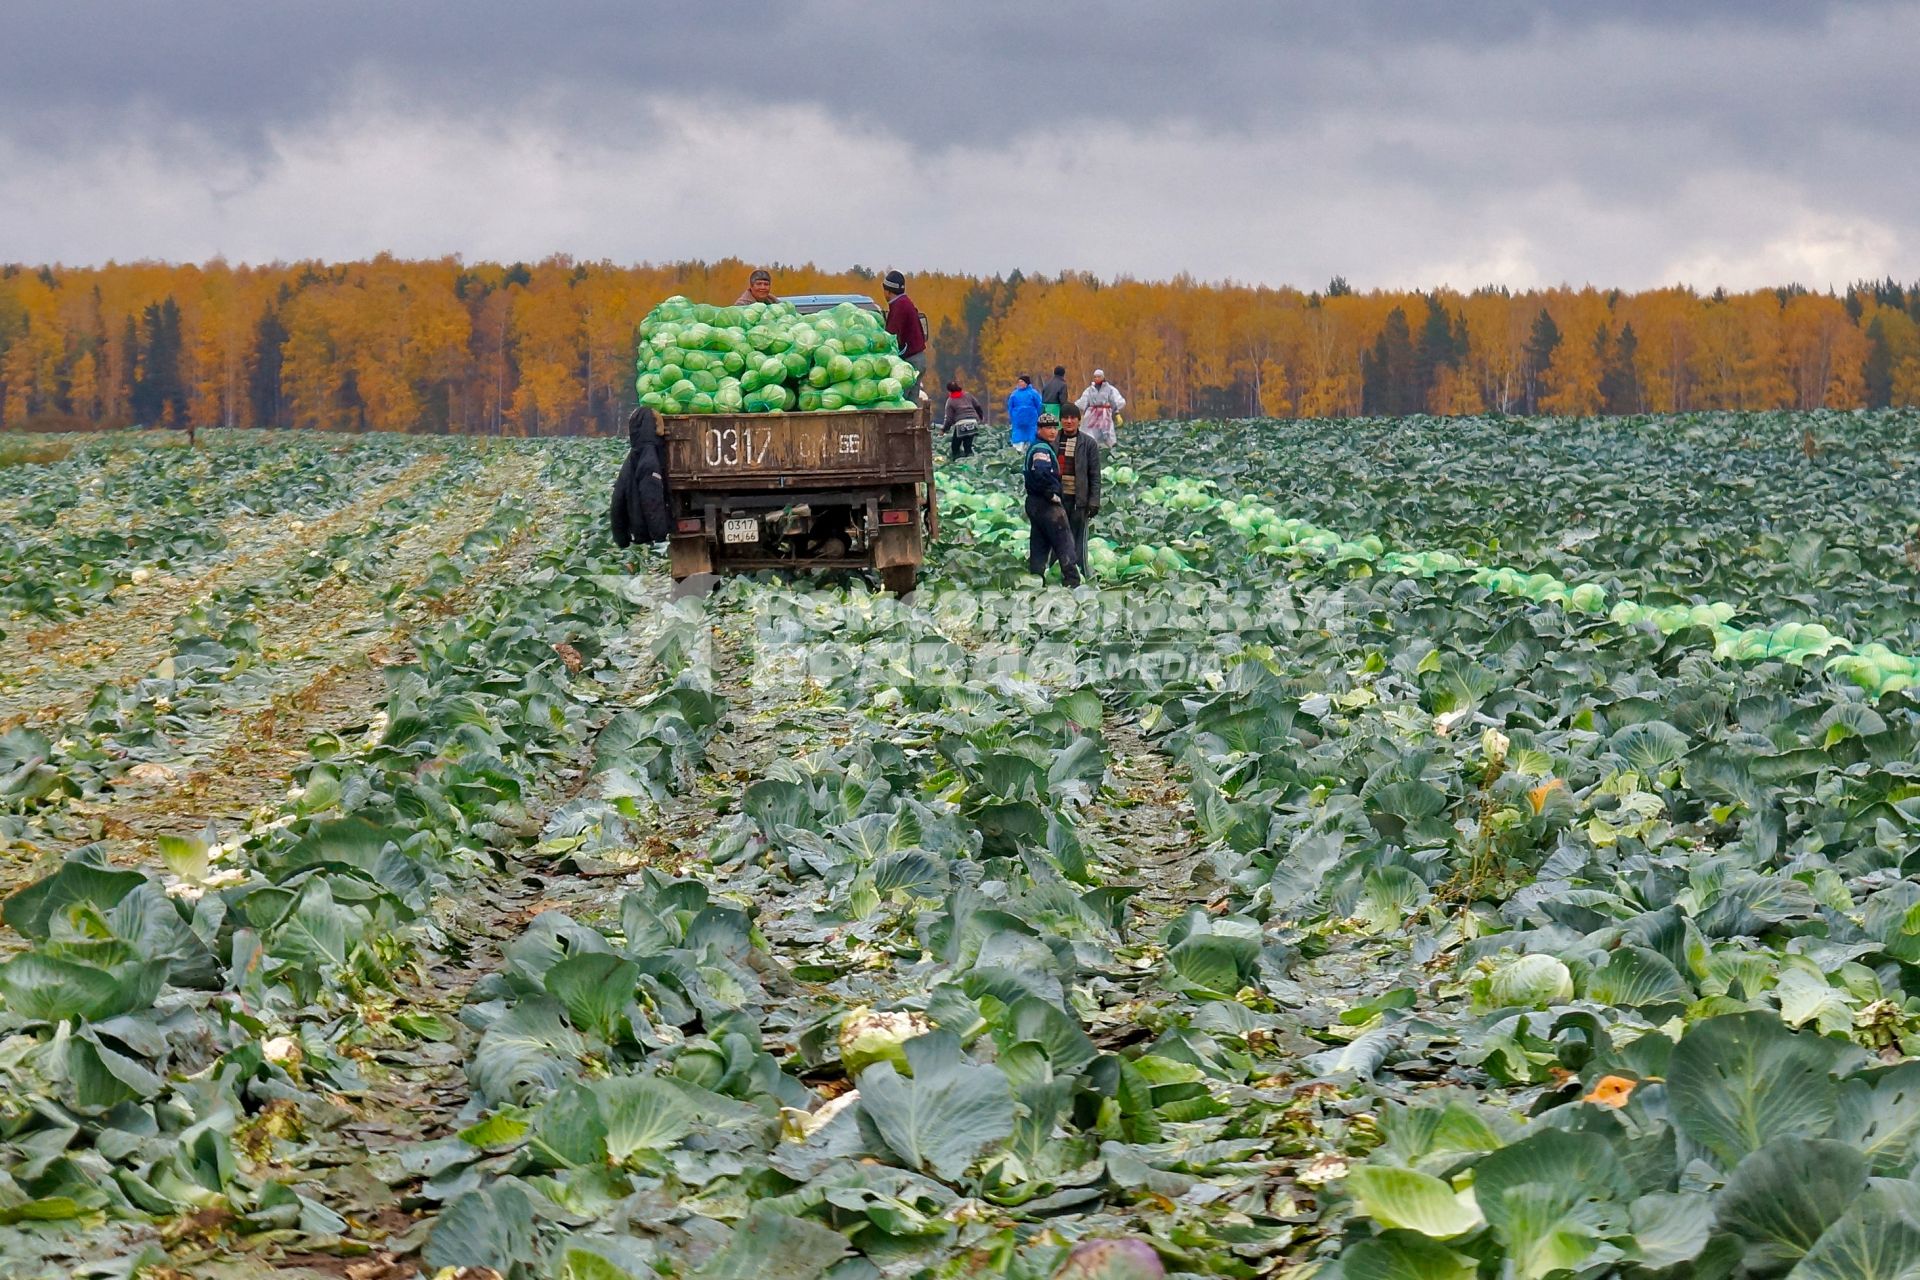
(546, 349)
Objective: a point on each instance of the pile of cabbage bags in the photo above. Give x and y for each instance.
(768, 358)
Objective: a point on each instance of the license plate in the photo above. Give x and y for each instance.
(740, 529)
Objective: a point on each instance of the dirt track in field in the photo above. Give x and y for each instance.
(1143, 834)
(327, 656)
(417, 1088)
(50, 674)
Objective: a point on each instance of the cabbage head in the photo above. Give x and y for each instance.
(889, 388)
(700, 402)
(866, 391)
(1588, 597)
(704, 381)
(867, 1037)
(839, 369)
(809, 400)
(1532, 982)
(777, 396)
(816, 377)
(797, 363)
(733, 362)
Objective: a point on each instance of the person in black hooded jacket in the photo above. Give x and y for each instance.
(640, 512)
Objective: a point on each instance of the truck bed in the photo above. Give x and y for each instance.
(749, 452)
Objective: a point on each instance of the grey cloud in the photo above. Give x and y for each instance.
(1273, 141)
(942, 73)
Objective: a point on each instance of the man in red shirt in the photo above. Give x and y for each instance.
(905, 323)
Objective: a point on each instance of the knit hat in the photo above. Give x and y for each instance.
(1048, 419)
(894, 282)
(761, 274)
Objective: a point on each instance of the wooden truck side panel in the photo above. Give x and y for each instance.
(749, 452)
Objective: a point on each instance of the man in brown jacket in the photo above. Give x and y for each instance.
(1079, 477)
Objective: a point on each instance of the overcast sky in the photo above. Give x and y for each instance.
(1630, 143)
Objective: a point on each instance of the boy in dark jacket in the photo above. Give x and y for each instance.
(640, 511)
(1053, 392)
(1079, 478)
(1048, 536)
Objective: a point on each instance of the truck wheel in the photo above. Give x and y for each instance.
(900, 578)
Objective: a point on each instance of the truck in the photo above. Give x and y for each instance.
(851, 489)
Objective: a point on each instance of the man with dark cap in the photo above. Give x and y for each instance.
(759, 288)
(905, 323)
(1053, 392)
(1048, 535)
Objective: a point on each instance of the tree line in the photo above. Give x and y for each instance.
(547, 348)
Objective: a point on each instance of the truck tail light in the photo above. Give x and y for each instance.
(689, 525)
(896, 517)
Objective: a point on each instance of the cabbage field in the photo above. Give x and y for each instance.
(1427, 849)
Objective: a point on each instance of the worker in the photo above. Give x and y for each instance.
(1101, 404)
(1047, 534)
(1079, 478)
(965, 415)
(1023, 412)
(905, 323)
(759, 288)
(1053, 392)
(641, 512)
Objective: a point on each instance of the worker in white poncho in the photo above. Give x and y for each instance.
(1101, 404)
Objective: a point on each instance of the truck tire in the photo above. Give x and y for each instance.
(900, 578)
